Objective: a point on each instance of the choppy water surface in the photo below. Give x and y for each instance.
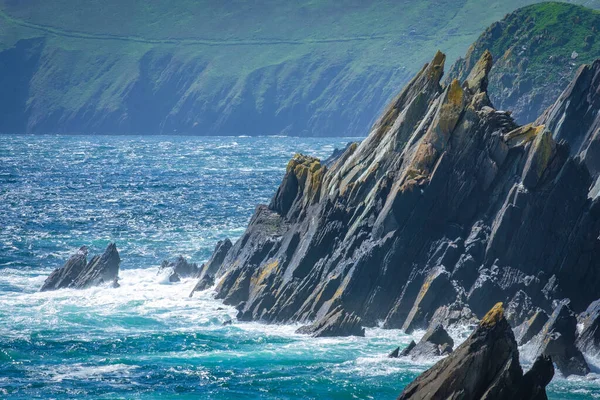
(159, 197)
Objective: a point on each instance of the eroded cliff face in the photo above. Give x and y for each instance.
(447, 208)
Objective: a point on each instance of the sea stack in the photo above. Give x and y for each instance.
(77, 273)
(485, 366)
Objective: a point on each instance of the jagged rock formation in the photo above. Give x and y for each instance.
(206, 274)
(180, 268)
(485, 366)
(528, 329)
(77, 273)
(588, 340)
(557, 340)
(575, 118)
(447, 206)
(435, 343)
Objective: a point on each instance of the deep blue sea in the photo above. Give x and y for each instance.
(157, 198)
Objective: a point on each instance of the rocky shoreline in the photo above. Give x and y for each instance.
(446, 209)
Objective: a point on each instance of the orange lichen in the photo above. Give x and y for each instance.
(493, 316)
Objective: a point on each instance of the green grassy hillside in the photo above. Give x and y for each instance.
(537, 51)
(319, 67)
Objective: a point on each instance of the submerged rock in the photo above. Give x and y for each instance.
(435, 343)
(180, 268)
(485, 366)
(77, 273)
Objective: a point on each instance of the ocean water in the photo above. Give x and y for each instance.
(160, 197)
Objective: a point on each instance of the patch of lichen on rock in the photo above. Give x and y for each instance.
(309, 172)
(265, 272)
(495, 315)
(437, 66)
(451, 109)
(544, 148)
(522, 135)
(423, 160)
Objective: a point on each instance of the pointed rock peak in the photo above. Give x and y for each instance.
(436, 67)
(455, 93)
(485, 366)
(477, 81)
(495, 315)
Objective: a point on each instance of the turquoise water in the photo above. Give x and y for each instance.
(159, 197)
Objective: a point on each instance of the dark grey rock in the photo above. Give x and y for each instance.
(395, 353)
(174, 277)
(557, 340)
(530, 328)
(208, 270)
(204, 283)
(64, 277)
(181, 267)
(485, 366)
(77, 273)
(519, 309)
(454, 315)
(406, 351)
(338, 323)
(589, 338)
(435, 343)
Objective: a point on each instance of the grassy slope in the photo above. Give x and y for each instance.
(533, 49)
(94, 49)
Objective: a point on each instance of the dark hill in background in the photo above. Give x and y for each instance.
(204, 67)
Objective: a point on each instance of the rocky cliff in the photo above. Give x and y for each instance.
(447, 208)
(485, 366)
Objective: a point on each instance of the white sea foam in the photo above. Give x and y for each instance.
(79, 371)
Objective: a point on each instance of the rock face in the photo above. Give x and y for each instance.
(557, 340)
(180, 268)
(589, 338)
(528, 329)
(575, 118)
(206, 274)
(435, 343)
(447, 205)
(77, 273)
(338, 323)
(485, 366)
